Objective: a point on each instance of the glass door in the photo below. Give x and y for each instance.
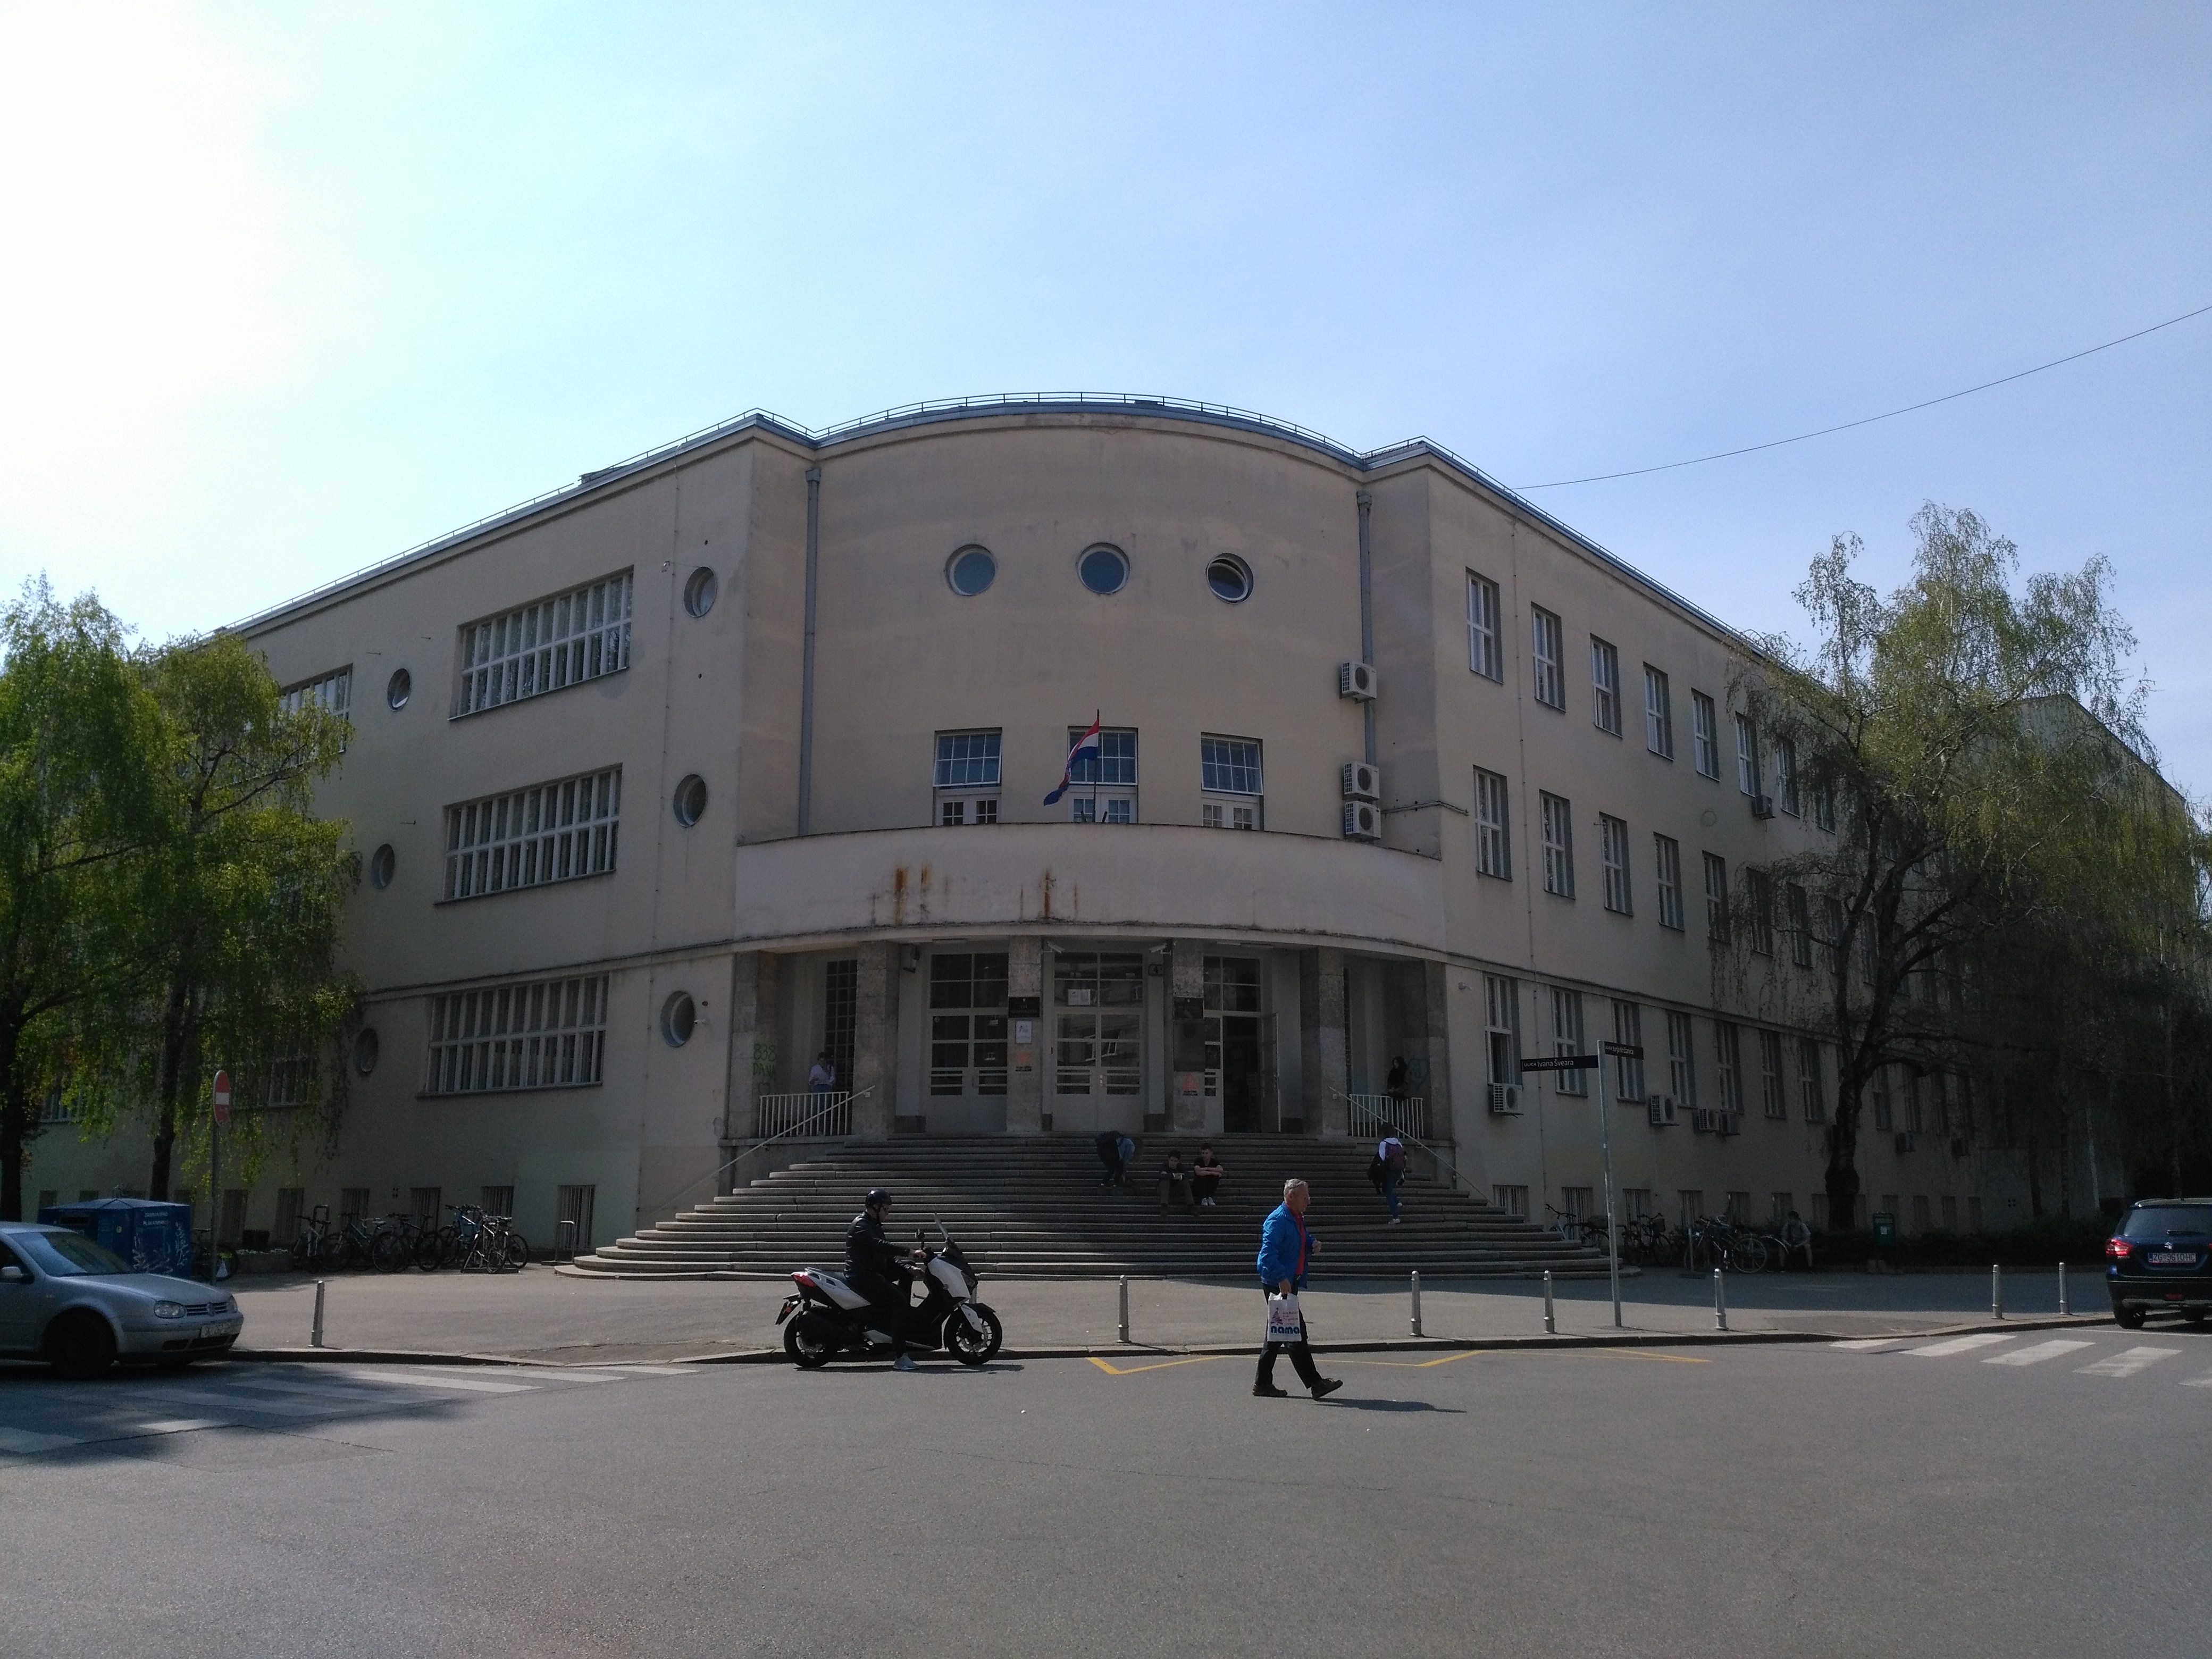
(1098, 1006)
(968, 1024)
(1235, 1053)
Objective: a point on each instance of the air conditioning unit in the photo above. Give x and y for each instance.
(1703, 1120)
(1355, 679)
(1903, 1144)
(1363, 820)
(1661, 1110)
(1762, 806)
(1505, 1099)
(1362, 781)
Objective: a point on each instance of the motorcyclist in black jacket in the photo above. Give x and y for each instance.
(874, 1267)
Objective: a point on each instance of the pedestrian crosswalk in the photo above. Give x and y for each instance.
(1980, 1346)
(40, 1415)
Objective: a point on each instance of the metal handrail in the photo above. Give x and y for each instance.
(1457, 1179)
(717, 1173)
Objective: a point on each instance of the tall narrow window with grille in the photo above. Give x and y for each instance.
(1705, 735)
(1785, 776)
(1558, 819)
(1628, 1069)
(579, 635)
(1501, 1001)
(1567, 1038)
(1801, 926)
(1727, 1051)
(1668, 860)
(1884, 1114)
(1716, 898)
(1484, 656)
(1681, 1059)
(1747, 756)
(1658, 714)
(1493, 833)
(1758, 900)
(1773, 1095)
(1605, 686)
(1547, 652)
(1613, 853)
(1811, 1096)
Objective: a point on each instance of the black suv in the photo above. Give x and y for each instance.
(2161, 1256)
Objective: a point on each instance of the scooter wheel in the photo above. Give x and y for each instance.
(968, 1346)
(807, 1354)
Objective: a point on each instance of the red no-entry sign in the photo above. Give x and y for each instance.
(223, 1097)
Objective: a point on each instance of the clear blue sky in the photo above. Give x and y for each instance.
(288, 288)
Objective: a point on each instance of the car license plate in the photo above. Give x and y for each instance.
(2173, 1258)
(224, 1328)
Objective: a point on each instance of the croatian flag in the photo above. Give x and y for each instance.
(1086, 745)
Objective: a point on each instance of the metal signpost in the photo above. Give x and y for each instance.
(217, 1118)
(1587, 1063)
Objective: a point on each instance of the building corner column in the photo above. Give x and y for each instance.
(1324, 1051)
(1028, 1041)
(1186, 1056)
(875, 1042)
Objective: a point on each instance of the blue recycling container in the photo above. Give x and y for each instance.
(153, 1236)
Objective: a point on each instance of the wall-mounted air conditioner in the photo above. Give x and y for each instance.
(1505, 1099)
(1762, 806)
(1355, 679)
(1701, 1120)
(1363, 820)
(1660, 1109)
(1362, 781)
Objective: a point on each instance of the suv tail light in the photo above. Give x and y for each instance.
(2117, 1248)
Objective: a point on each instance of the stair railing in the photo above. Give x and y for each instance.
(840, 1108)
(1365, 1121)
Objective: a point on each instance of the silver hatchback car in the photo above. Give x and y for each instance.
(78, 1305)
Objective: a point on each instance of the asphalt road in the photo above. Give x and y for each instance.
(2032, 1493)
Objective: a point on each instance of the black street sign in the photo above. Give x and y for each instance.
(1562, 1063)
(1626, 1050)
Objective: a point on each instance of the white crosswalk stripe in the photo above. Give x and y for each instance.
(463, 1384)
(2037, 1353)
(1866, 1344)
(2127, 1364)
(2203, 1382)
(1960, 1345)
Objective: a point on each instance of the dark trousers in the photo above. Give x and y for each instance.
(1302, 1359)
(1180, 1186)
(1204, 1186)
(1390, 1180)
(890, 1300)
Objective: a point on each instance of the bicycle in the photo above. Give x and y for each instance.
(318, 1243)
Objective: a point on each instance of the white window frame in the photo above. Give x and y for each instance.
(1225, 801)
(1705, 735)
(1728, 1049)
(1785, 776)
(562, 830)
(1605, 686)
(1114, 798)
(1628, 1069)
(1501, 1005)
(332, 692)
(1716, 898)
(548, 645)
(1567, 1038)
(1485, 655)
(1812, 1091)
(1773, 1096)
(1758, 899)
(1614, 861)
(1666, 860)
(1547, 648)
(1682, 1058)
(1798, 910)
(1493, 826)
(1658, 712)
(529, 1034)
(1747, 756)
(964, 779)
(1559, 833)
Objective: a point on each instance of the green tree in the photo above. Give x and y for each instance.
(1958, 740)
(80, 787)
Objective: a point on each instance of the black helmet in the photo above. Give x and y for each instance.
(877, 1198)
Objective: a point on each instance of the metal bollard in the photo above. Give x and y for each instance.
(1417, 1303)
(2065, 1306)
(1720, 1302)
(315, 1336)
(1551, 1318)
(1125, 1308)
(1996, 1291)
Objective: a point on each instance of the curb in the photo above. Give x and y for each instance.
(1387, 1344)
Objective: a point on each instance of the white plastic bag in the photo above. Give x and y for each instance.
(1284, 1323)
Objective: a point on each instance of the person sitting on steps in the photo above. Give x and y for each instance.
(1175, 1180)
(1205, 1176)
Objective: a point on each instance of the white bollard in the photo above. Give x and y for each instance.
(2065, 1306)
(1417, 1303)
(1720, 1302)
(1551, 1317)
(315, 1336)
(1996, 1291)
(1125, 1307)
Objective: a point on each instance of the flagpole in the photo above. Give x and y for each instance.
(1098, 763)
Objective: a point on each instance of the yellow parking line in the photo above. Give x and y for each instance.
(1423, 1364)
(1159, 1365)
(1471, 1353)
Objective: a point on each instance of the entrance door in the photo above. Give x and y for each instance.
(1236, 1054)
(1098, 1047)
(968, 1024)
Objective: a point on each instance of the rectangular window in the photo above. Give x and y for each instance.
(1104, 789)
(1667, 857)
(1747, 756)
(1810, 1097)
(1940, 1090)
(1801, 925)
(1832, 922)
(1628, 1069)
(968, 1024)
(1227, 814)
(1558, 845)
(1514, 1201)
(1912, 1101)
(1658, 714)
(840, 1016)
(1771, 1098)
(1716, 899)
(1605, 686)
(1950, 1213)
(1885, 1115)
(547, 833)
(1483, 638)
(1635, 1202)
(570, 638)
(965, 775)
(1681, 1060)
(1705, 735)
(332, 692)
(1567, 1038)
(1547, 645)
(1612, 856)
(1692, 1201)
(573, 1226)
(1785, 776)
(1759, 898)
(541, 1034)
(1493, 833)
(496, 1200)
(1580, 1202)
(1230, 765)
(1824, 805)
(1501, 1003)
(1727, 1047)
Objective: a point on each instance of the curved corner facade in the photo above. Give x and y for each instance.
(711, 767)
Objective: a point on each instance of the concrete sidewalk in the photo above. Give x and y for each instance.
(541, 1316)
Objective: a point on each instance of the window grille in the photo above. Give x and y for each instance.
(1567, 1038)
(564, 641)
(1628, 1069)
(1513, 1200)
(1747, 756)
(1705, 735)
(840, 1016)
(541, 1034)
(1681, 1060)
(1717, 900)
(968, 1024)
(1884, 1114)
(1758, 896)
(1230, 765)
(1605, 686)
(1810, 1093)
(1483, 655)
(1801, 926)
(1728, 1048)
(332, 692)
(1613, 855)
(1558, 845)
(1501, 1001)
(1658, 712)
(1667, 857)
(1771, 1098)
(547, 833)
(1785, 776)
(1493, 833)
(1547, 642)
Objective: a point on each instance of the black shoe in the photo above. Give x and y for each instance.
(1269, 1391)
(1326, 1386)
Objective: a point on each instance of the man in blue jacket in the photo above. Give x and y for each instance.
(1285, 1246)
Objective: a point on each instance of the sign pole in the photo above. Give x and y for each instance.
(1612, 1226)
(218, 1115)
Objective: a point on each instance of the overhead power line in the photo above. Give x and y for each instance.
(1752, 449)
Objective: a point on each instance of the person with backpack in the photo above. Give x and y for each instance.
(1390, 1160)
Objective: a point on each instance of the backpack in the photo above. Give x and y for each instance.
(1396, 1157)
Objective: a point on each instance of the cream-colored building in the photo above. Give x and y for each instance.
(669, 781)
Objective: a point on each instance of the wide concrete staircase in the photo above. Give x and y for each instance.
(1032, 1207)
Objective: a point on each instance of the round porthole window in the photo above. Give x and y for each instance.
(398, 689)
(699, 592)
(679, 1018)
(1103, 569)
(970, 570)
(691, 801)
(1230, 578)
(381, 864)
(365, 1049)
